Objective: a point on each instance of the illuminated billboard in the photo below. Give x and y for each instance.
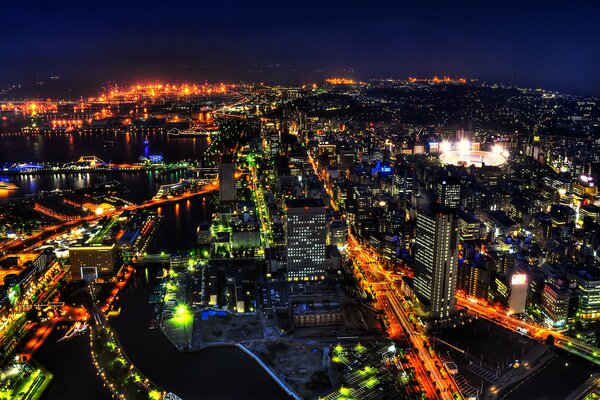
(519, 279)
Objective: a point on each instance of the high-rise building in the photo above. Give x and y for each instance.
(517, 300)
(306, 236)
(436, 260)
(338, 234)
(227, 182)
(555, 304)
(448, 192)
(588, 290)
(474, 279)
(403, 181)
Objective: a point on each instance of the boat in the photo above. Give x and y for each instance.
(8, 186)
(188, 133)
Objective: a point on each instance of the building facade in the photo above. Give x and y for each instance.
(436, 261)
(306, 236)
(226, 182)
(91, 261)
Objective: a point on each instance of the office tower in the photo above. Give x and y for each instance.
(338, 234)
(306, 234)
(436, 260)
(474, 279)
(448, 192)
(226, 181)
(588, 289)
(403, 181)
(555, 304)
(518, 293)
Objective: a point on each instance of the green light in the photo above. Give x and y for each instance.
(338, 349)
(372, 381)
(344, 391)
(182, 316)
(154, 395)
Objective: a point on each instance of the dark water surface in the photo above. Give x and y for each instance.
(109, 147)
(218, 373)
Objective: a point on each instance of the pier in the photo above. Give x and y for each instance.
(91, 164)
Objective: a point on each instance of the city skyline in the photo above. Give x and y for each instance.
(306, 201)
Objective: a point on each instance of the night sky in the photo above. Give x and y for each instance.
(555, 45)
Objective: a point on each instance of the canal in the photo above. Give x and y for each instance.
(556, 380)
(218, 373)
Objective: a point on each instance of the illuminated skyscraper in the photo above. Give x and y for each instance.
(436, 261)
(403, 181)
(448, 192)
(306, 235)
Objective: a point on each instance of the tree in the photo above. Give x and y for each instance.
(550, 340)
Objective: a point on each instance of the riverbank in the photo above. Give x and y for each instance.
(223, 372)
(556, 380)
(116, 370)
(532, 363)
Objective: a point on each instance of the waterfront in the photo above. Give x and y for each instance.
(110, 146)
(145, 183)
(556, 380)
(177, 233)
(69, 376)
(217, 373)
(113, 147)
(207, 374)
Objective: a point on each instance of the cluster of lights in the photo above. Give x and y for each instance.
(30, 107)
(112, 344)
(436, 79)
(465, 152)
(499, 149)
(159, 89)
(340, 81)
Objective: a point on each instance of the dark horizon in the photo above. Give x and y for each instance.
(554, 47)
